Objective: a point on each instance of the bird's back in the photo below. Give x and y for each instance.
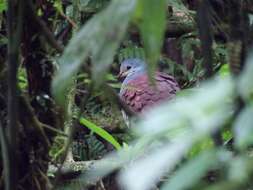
(139, 94)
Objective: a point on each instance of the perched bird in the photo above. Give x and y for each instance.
(137, 92)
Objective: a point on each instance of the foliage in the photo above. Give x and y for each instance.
(174, 145)
(101, 132)
(3, 6)
(94, 37)
(166, 137)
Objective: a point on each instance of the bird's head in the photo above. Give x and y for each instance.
(129, 67)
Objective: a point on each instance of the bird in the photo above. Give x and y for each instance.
(137, 92)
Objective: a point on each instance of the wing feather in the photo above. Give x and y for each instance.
(139, 94)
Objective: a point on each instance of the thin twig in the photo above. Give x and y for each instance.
(71, 22)
(53, 129)
(34, 120)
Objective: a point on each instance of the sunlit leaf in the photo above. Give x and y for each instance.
(101, 132)
(224, 70)
(58, 6)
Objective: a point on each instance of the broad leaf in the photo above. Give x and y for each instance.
(185, 122)
(200, 109)
(3, 5)
(101, 132)
(99, 38)
(245, 83)
(152, 17)
(243, 129)
(195, 169)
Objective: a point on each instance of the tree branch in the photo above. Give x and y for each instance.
(14, 29)
(44, 29)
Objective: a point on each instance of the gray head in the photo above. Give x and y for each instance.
(131, 67)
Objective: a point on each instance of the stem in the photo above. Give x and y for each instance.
(205, 35)
(14, 28)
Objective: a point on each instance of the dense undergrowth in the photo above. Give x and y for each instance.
(68, 54)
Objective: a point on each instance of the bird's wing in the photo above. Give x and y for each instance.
(139, 94)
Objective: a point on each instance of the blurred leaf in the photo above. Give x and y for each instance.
(203, 109)
(195, 169)
(85, 2)
(245, 82)
(243, 129)
(3, 5)
(3, 40)
(100, 38)
(185, 121)
(152, 28)
(205, 144)
(58, 6)
(239, 169)
(251, 19)
(101, 132)
(158, 163)
(224, 70)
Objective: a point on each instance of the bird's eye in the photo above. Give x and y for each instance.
(128, 67)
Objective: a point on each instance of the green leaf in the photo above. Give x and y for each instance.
(101, 132)
(183, 122)
(3, 5)
(240, 168)
(158, 162)
(99, 38)
(152, 27)
(243, 128)
(245, 82)
(203, 109)
(58, 6)
(224, 70)
(195, 169)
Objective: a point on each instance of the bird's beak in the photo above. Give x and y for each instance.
(122, 74)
